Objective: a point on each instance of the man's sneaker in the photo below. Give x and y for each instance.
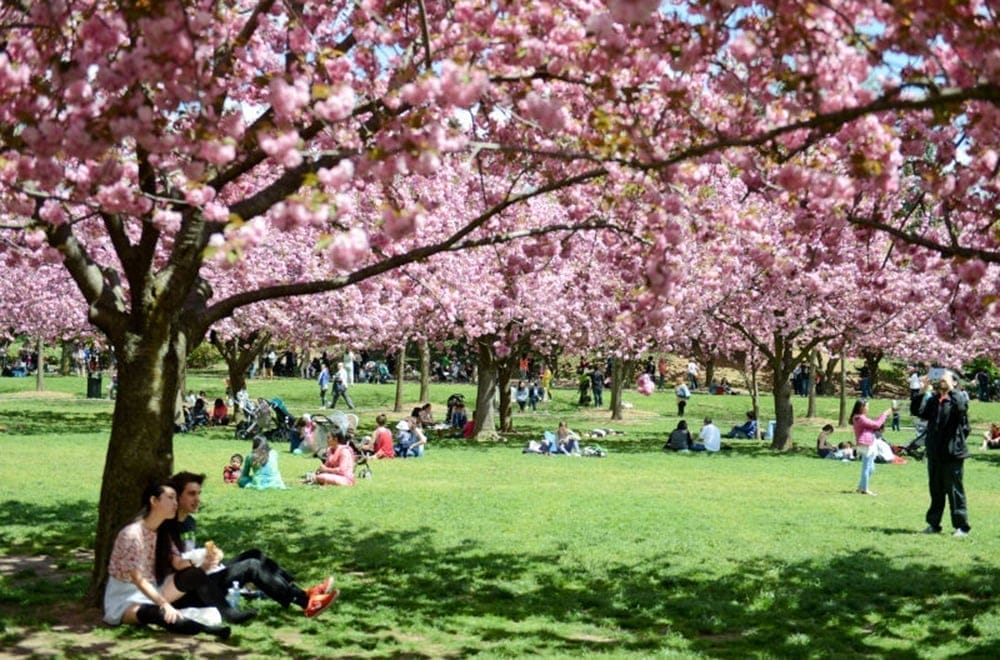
(931, 529)
(961, 532)
(320, 602)
(323, 587)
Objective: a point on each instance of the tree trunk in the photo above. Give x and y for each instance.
(782, 365)
(828, 374)
(484, 425)
(425, 371)
(505, 372)
(397, 405)
(620, 371)
(150, 369)
(39, 366)
(814, 366)
(66, 359)
(873, 357)
(843, 387)
(709, 362)
(239, 353)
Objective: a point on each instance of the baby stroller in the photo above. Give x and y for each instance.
(916, 447)
(259, 421)
(347, 424)
(283, 422)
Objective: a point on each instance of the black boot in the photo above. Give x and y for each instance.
(183, 626)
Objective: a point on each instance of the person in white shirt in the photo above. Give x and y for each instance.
(914, 384)
(709, 438)
(692, 373)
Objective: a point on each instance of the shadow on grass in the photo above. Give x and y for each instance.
(512, 603)
(41, 422)
(549, 604)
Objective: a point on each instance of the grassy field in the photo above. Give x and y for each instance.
(482, 550)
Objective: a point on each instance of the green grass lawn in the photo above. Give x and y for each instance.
(482, 550)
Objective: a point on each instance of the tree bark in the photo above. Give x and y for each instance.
(239, 353)
(39, 365)
(814, 366)
(484, 424)
(66, 359)
(425, 371)
(843, 387)
(621, 370)
(150, 370)
(504, 374)
(397, 405)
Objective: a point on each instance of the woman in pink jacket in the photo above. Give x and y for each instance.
(864, 434)
(338, 470)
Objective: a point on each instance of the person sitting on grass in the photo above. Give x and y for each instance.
(379, 444)
(249, 567)
(410, 440)
(709, 438)
(220, 414)
(991, 438)
(680, 438)
(567, 442)
(139, 591)
(260, 467)
(231, 473)
(823, 446)
(338, 468)
(747, 430)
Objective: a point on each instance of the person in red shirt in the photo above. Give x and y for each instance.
(380, 444)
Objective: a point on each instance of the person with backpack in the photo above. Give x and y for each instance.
(947, 419)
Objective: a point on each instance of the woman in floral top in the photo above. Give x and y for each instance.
(134, 594)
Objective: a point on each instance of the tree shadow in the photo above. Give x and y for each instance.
(558, 602)
(66, 419)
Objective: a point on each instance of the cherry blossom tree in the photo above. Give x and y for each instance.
(142, 139)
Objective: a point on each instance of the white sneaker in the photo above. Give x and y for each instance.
(961, 532)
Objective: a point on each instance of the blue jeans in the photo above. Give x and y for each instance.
(867, 467)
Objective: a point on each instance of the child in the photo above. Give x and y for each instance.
(231, 473)
(895, 417)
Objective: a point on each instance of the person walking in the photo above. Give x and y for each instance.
(864, 436)
(324, 384)
(947, 419)
(340, 387)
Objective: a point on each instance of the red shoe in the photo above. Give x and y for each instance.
(320, 602)
(323, 587)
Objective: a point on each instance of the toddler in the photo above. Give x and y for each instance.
(231, 473)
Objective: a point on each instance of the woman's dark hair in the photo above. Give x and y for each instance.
(168, 536)
(682, 425)
(261, 451)
(153, 489)
(219, 403)
(856, 410)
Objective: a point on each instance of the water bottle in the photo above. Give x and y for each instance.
(233, 596)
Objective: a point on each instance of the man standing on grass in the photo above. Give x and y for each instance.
(252, 566)
(947, 419)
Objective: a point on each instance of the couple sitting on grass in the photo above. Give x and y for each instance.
(563, 441)
(709, 438)
(157, 575)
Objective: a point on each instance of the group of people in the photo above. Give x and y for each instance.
(158, 575)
